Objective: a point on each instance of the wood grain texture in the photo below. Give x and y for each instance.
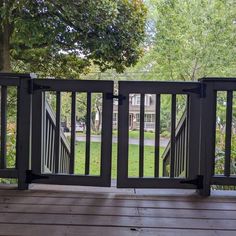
(40, 211)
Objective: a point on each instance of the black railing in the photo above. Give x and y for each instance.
(15, 143)
(189, 160)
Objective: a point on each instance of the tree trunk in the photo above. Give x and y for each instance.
(5, 34)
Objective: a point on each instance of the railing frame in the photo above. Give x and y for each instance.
(201, 133)
(24, 103)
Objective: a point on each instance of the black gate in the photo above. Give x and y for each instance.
(53, 154)
(178, 166)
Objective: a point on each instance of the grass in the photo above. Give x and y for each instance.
(133, 160)
(135, 134)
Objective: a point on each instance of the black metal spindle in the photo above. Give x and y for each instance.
(157, 136)
(46, 142)
(57, 132)
(73, 124)
(52, 149)
(88, 134)
(173, 126)
(181, 152)
(176, 156)
(228, 133)
(3, 126)
(141, 135)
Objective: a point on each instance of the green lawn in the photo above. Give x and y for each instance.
(135, 134)
(133, 159)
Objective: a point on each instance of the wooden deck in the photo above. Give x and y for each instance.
(63, 210)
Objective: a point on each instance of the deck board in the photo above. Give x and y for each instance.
(46, 210)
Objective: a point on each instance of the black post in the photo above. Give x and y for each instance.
(23, 152)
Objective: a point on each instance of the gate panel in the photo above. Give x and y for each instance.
(53, 157)
(183, 150)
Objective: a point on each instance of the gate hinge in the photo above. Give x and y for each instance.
(33, 87)
(30, 176)
(198, 181)
(200, 90)
(119, 97)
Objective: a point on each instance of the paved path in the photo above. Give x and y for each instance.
(147, 142)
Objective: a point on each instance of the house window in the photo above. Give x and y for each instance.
(136, 100)
(149, 118)
(147, 100)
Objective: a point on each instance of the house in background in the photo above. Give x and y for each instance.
(134, 112)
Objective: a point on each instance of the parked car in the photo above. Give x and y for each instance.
(80, 127)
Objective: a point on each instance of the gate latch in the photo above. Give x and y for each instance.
(30, 176)
(119, 97)
(198, 181)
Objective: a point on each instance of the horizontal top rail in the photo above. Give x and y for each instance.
(217, 79)
(157, 87)
(69, 85)
(4, 75)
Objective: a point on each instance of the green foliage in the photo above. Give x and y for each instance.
(63, 38)
(190, 39)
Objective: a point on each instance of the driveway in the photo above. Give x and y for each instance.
(147, 142)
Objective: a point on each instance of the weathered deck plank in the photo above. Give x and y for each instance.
(59, 230)
(90, 211)
(122, 211)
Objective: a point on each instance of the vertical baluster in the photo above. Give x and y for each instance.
(46, 141)
(73, 123)
(173, 124)
(176, 156)
(228, 133)
(67, 162)
(50, 147)
(88, 134)
(185, 148)
(181, 149)
(57, 132)
(64, 160)
(3, 126)
(157, 136)
(141, 136)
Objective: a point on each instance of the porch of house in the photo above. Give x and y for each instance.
(43, 155)
(66, 210)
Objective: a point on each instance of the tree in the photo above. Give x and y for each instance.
(47, 36)
(190, 39)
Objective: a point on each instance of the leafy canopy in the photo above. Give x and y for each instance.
(70, 35)
(189, 39)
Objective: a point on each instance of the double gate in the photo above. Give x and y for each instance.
(41, 141)
(45, 155)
